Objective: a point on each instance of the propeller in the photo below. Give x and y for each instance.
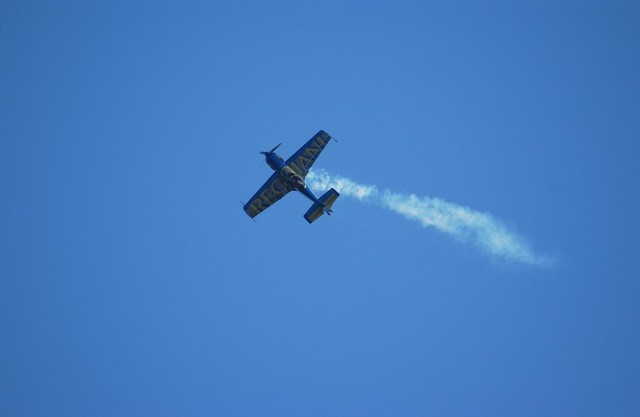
(271, 151)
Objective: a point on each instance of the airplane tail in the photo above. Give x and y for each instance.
(318, 209)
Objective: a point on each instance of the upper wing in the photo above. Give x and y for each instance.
(273, 190)
(302, 160)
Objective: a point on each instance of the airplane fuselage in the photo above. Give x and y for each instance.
(293, 180)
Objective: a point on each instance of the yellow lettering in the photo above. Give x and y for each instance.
(266, 197)
(278, 186)
(311, 152)
(302, 161)
(256, 206)
(296, 168)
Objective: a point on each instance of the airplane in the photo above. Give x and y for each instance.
(289, 176)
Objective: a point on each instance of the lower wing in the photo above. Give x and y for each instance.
(273, 190)
(303, 159)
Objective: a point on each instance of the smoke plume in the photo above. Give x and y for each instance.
(462, 223)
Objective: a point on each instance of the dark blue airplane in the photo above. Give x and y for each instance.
(289, 175)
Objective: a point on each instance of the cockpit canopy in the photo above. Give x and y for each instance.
(290, 174)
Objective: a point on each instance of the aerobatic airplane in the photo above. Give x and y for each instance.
(289, 175)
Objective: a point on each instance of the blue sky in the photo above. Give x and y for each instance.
(133, 284)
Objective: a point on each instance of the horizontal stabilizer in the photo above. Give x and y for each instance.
(318, 209)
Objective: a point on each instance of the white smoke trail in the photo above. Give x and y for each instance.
(460, 222)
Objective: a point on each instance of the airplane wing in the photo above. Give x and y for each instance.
(302, 160)
(273, 190)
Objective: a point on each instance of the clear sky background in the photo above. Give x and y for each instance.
(133, 284)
